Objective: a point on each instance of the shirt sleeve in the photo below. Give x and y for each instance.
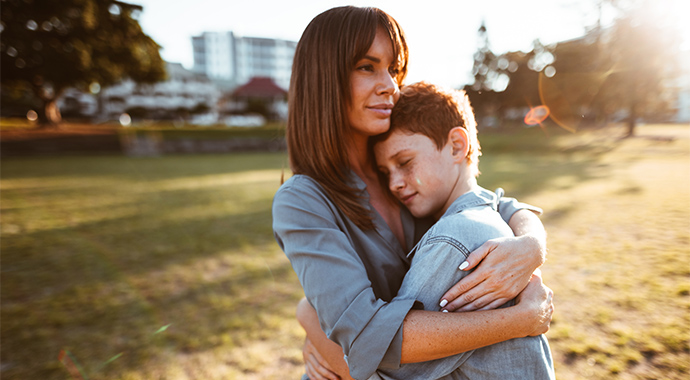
(309, 229)
(509, 206)
(433, 271)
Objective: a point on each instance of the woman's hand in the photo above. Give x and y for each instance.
(505, 268)
(537, 298)
(316, 367)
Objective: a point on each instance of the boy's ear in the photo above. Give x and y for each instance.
(460, 142)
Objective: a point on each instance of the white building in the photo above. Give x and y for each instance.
(184, 92)
(233, 59)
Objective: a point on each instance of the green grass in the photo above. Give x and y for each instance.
(100, 253)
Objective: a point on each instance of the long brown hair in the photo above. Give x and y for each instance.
(318, 126)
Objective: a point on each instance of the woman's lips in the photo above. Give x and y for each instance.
(383, 110)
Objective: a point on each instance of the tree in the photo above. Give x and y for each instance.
(507, 80)
(485, 69)
(48, 46)
(628, 66)
(641, 58)
(573, 92)
(524, 71)
(489, 79)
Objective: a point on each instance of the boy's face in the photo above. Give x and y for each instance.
(420, 175)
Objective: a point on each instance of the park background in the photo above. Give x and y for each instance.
(141, 247)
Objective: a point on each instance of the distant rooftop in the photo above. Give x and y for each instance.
(260, 87)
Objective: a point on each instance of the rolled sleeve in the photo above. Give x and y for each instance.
(316, 239)
(379, 344)
(509, 206)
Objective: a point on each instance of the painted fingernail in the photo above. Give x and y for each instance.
(444, 310)
(443, 303)
(464, 265)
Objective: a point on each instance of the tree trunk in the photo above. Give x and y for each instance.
(632, 120)
(50, 117)
(631, 128)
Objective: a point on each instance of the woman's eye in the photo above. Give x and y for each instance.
(366, 68)
(403, 163)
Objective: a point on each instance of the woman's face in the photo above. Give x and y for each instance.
(374, 89)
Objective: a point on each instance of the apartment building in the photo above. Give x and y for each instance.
(232, 60)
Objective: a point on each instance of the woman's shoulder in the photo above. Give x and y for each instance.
(302, 198)
(301, 189)
(300, 183)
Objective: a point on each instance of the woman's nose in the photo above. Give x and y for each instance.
(387, 84)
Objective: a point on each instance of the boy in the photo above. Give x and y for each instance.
(429, 158)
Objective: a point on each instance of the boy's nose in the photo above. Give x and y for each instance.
(395, 183)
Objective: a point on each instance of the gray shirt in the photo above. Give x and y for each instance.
(349, 275)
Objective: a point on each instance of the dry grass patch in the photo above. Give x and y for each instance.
(619, 258)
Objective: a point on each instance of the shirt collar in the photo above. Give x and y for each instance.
(355, 181)
(478, 196)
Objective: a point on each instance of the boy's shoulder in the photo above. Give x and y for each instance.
(478, 197)
(471, 219)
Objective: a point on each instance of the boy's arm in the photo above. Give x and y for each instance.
(505, 266)
(430, 335)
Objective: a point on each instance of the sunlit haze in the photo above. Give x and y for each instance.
(442, 35)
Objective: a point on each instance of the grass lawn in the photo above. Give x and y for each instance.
(166, 268)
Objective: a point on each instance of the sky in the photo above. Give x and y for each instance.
(441, 34)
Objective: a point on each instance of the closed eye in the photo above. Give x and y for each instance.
(383, 170)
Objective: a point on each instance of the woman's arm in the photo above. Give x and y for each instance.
(429, 335)
(323, 358)
(505, 266)
(426, 333)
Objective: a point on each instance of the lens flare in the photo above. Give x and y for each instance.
(32, 115)
(570, 95)
(537, 115)
(125, 120)
(71, 364)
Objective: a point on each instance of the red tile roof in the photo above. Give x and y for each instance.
(260, 87)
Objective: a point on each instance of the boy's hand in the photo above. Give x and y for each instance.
(505, 268)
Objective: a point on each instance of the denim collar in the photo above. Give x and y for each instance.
(478, 196)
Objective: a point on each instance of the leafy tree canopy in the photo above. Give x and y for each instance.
(50, 45)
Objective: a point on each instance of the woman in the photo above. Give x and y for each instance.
(347, 240)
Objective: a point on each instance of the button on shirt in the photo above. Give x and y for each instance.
(349, 275)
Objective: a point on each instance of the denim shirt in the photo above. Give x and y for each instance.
(349, 275)
(471, 220)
